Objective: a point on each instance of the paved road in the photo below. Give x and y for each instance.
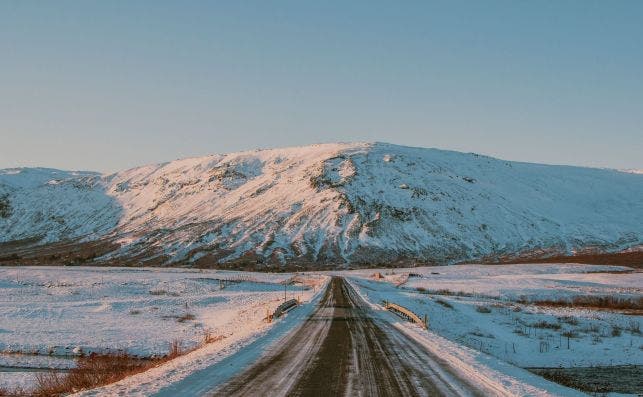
(343, 349)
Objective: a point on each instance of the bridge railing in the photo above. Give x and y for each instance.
(282, 309)
(407, 313)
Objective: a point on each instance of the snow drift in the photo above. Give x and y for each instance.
(330, 203)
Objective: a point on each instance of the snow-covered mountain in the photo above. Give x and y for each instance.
(329, 203)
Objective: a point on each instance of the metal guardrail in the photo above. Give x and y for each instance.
(285, 307)
(406, 313)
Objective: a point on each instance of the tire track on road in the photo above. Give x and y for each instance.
(343, 350)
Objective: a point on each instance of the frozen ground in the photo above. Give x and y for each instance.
(478, 306)
(49, 315)
(57, 313)
(350, 347)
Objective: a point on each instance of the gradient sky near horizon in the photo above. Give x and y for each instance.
(108, 85)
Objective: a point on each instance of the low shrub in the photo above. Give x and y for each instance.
(186, 317)
(569, 334)
(593, 301)
(93, 371)
(560, 377)
(208, 337)
(175, 349)
(447, 292)
(634, 327)
(519, 330)
(546, 325)
(483, 309)
(444, 303)
(569, 320)
(591, 328)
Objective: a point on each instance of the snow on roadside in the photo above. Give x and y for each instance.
(178, 370)
(49, 315)
(511, 281)
(476, 367)
(484, 370)
(478, 306)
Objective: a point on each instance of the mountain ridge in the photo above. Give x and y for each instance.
(336, 203)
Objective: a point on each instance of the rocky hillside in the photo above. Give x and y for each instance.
(363, 203)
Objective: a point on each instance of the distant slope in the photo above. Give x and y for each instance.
(332, 203)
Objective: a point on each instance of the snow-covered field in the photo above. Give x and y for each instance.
(477, 313)
(479, 306)
(51, 314)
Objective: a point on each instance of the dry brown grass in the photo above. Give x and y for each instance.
(186, 317)
(596, 302)
(546, 325)
(565, 379)
(208, 337)
(444, 303)
(13, 393)
(632, 259)
(175, 350)
(483, 309)
(445, 292)
(93, 371)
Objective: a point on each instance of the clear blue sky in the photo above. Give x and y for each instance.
(107, 85)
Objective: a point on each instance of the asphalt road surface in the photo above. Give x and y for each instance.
(343, 349)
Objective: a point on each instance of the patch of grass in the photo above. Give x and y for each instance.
(560, 377)
(546, 325)
(97, 370)
(634, 327)
(134, 312)
(591, 328)
(186, 317)
(569, 334)
(17, 392)
(479, 333)
(483, 309)
(175, 350)
(569, 320)
(519, 331)
(616, 331)
(445, 292)
(158, 292)
(208, 337)
(91, 371)
(593, 301)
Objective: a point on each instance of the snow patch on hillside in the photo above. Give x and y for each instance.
(344, 202)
